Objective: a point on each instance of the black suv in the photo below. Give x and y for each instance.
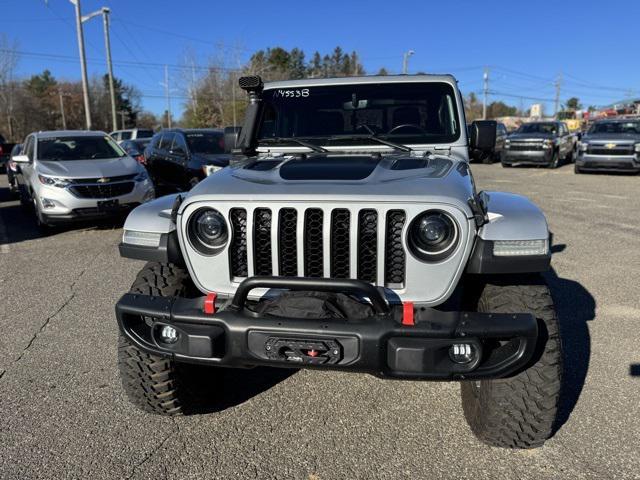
(180, 158)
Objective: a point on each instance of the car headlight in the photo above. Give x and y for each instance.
(582, 146)
(54, 181)
(208, 231)
(547, 143)
(637, 148)
(211, 169)
(433, 235)
(141, 177)
(507, 143)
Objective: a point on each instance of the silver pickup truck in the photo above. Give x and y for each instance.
(348, 234)
(539, 143)
(610, 145)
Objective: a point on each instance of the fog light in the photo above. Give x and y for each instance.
(168, 334)
(46, 203)
(462, 353)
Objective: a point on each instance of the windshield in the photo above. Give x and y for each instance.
(409, 113)
(78, 148)
(144, 133)
(616, 127)
(538, 128)
(207, 143)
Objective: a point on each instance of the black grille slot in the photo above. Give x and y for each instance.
(262, 241)
(340, 243)
(287, 238)
(105, 190)
(313, 254)
(394, 261)
(526, 147)
(238, 247)
(368, 246)
(622, 150)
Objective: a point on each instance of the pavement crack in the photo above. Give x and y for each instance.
(153, 452)
(50, 317)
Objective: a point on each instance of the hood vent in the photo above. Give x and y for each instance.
(323, 168)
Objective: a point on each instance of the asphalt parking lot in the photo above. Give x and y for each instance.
(64, 415)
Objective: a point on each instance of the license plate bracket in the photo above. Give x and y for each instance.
(303, 350)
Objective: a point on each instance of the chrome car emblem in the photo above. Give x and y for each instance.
(103, 180)
(610, 145)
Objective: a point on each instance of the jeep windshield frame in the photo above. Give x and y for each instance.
(361, 114)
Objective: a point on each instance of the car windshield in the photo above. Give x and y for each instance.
(207, 143)
(144, 133)
(538, 128)
(407, 113)
(616, 127)
(78, 148)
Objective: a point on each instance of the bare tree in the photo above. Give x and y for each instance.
(8, 62)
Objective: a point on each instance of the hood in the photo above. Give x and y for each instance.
(617, 138)
(355, 177)
(530, 136)
(220, 159)
(111, 167)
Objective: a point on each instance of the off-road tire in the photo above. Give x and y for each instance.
(576, 168)
(519, 411)
(153, 383)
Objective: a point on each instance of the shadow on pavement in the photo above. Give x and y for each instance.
(634, 369)
(575, 306)
(216, 389)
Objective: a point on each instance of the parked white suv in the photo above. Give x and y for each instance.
(74, 175)
(131, 134)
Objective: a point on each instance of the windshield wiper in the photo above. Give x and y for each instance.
(311, 146)
(375, 138)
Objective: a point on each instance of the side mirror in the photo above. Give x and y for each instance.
(231, 138)
(21, 159)
(482, 135)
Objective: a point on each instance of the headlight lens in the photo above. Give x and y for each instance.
(142, 176)
(637, 147)
(582, 146)
(208, 231)
(54, 181)
(547, 143)
(433, 236)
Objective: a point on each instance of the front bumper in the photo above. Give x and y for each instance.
(385, 344)
(62, 206)
(619, 163)
(526, 157)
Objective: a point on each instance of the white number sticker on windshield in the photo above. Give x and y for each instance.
(297, 93)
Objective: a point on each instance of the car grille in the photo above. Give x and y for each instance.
(617, 150)
(102, 190)
(329, 247)
(525, 147)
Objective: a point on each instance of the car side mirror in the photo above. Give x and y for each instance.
(21, 159)
(482, 135)
(231, 138)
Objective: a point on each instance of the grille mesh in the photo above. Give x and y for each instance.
(394, 253)
(288, 255)
(105, 190)
(340, 251)
(262, 242)
(313, 254)
(621, 150)
(238, 247)
(368, 246)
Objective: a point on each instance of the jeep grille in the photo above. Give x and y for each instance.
(350, 254)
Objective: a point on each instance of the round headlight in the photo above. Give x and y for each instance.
(208, 231)
(433, 235)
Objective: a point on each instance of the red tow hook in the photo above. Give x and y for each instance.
(407, 314)
(210, 303)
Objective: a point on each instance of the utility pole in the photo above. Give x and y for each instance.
(107, 44)
(104, 11)
(405, 61)
(557, 102)
(83, 64)
(485, 92)
(64, 119)
(167, 94)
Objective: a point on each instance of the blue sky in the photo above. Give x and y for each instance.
(526, 45)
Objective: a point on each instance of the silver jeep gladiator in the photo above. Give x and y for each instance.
(347, 234)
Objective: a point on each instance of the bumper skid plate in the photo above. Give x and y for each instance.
(235, 336)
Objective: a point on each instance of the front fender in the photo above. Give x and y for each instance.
(511, 217)
(153, 217)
